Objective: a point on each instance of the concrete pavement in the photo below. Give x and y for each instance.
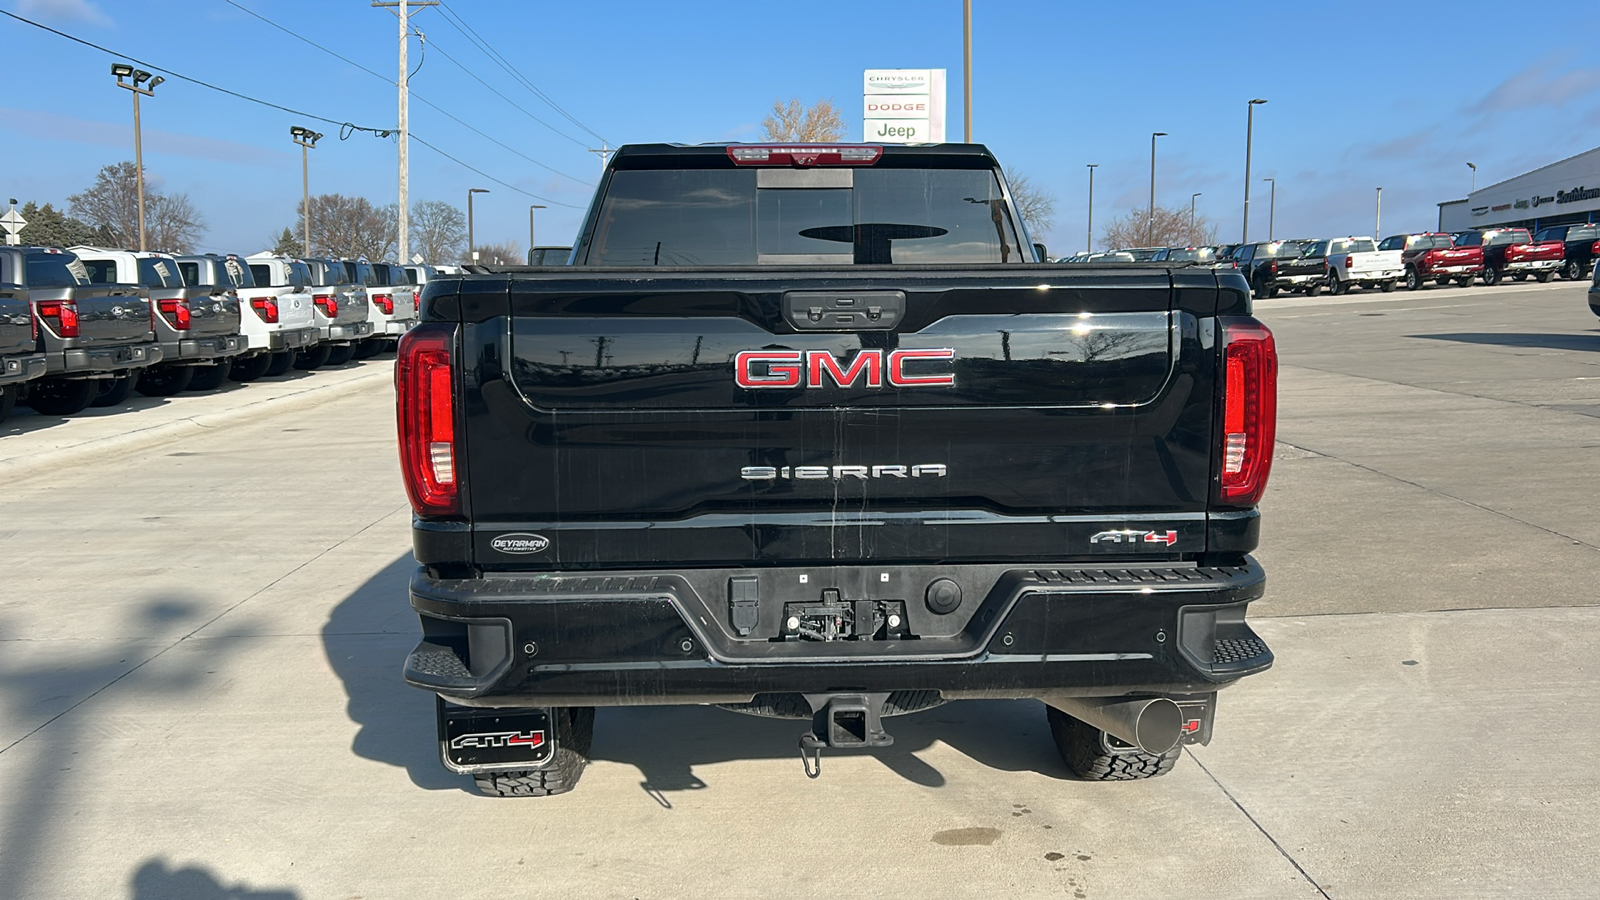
(200, 642)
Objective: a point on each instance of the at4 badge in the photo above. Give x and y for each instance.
(487, 740)
(1128, 536)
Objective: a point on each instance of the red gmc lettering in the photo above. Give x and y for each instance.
(757, 369)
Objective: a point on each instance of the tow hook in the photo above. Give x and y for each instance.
(843, 721)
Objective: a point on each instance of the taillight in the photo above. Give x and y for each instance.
(176, 312)
(805, 154)
(1349, 261)
(425, 412)
(1594, 250)
(1272, 267)
(266, 308)
(1249, 410)
(62, 316)
(384, 302)
(328, 303)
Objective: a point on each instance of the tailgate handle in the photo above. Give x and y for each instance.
(844, 310)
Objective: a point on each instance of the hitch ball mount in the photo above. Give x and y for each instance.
(843, 721)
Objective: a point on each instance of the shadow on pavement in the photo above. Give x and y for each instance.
(1590, 342)
(100, 674)
(370, 632)
(156, 881)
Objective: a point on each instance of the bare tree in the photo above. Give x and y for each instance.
(1035, 205)
(350, 227)
(1169, 228)
(438, 230)
(817, 124)
(508, 253)
(171, 222)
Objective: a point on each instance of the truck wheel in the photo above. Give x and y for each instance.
(1463, 280)
(1260, 290)
(250, 368)
(114, 391)
(1443, 280)
(1093, 755)
(1543, 277)
(8, 399)
(1413, 280)
(280, 363)
(60, 396)
(1387, 286)
(315, 358)
(164, 381)
(574, 728)
(371, 347)
(208, 378)
(1335, 286)
(1491, 276)
(1519, 276)
(1313, 288)
(340, 354)
(1572, 271)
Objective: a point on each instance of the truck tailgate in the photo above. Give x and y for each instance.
(731, 418)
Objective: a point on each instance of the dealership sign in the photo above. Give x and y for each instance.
(903, 106)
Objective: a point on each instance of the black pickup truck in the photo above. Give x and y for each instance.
(809, 431)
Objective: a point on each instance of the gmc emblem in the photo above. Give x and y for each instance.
(757, 369)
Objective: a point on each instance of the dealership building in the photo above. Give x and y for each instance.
(1562, 193)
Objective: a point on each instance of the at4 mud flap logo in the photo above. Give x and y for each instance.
(520, 543)
(1128, 536)
(498, 740)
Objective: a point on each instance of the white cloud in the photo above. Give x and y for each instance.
(64, 10)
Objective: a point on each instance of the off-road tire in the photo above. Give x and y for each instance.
(250, 368)
(574, 732)
(164, 381)
(60, 396)
(208, 378)
(339, 354)
(281, 362)
(1544, 277)
(1093, 755)
(8, 399)
(114, 391)
(315, 358)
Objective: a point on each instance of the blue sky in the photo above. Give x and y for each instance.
(1426, 88)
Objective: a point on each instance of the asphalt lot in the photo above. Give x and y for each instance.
(201, 631)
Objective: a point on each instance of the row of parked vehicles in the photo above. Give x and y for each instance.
(89, 326)
(1338, 264)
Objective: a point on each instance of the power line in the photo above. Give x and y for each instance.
(494, 55)
(423, 100)
(344, 126)
(504, 184)
(513, 103)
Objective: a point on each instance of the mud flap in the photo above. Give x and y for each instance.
(1198, 711)
(494, 740)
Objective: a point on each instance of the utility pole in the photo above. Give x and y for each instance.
(1377, 222)
(966, 68)
(1249, 130)
(472, 252)
(1150, 223)
(1090, 245)
(403, 217)
(1474, 168)
(1272, 205)
(135, 79)
(306, 139)
(1191, 217)
(604, 152)
(531, 208)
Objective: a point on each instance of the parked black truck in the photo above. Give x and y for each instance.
(809, 431)
(20, 359)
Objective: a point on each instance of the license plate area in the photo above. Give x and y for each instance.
(490, 740)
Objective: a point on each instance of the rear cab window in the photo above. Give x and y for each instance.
(159, 273)
(55, 270)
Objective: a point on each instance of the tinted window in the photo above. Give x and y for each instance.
(1197, 254)
(299, 274)
(1316, 248)
(1469, 239)
(159, 273)
(101, 271)
(1583, 233)
(1393, 243)
(263, 275)
(1430, 242)
(55, 270)
(710, 217)
(1281, 250)
(1347, 246)
(1507, 236)
(190, 272)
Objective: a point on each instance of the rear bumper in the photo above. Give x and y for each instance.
(397, 327)
(1534, 265)
(1376, 275)
(22, 368)
(203, 350)
(630, 638)
(90, 362)
(294, 338)
(351, 331)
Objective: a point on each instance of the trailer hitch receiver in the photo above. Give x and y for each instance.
(844, 721)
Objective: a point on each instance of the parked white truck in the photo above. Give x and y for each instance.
(277, 306)
(1357, 260)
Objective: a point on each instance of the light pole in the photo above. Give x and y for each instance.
(472, 253)
(1191, 217)
(1377, 222)
(306, 139)
(1474, 168)
(1150, 223)
(531, 208)
(1249, 130)
(966, 68)
(1272, 204)
(1092, 167)
(133, 79)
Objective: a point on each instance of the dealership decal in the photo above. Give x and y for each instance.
(520, 543)
(1576, 195)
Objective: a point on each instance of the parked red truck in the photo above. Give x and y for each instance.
(1514, 252)
(1433, 256)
